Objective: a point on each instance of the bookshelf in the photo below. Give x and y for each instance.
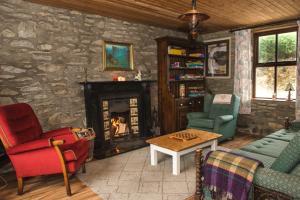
(181, 81)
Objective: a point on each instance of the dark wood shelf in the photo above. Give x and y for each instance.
(186, 68)
(187, 80)
(186, 57)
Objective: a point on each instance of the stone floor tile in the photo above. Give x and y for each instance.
(118, 196)
(128, 187)
(130, 176)
(150, 187)
(152, 176)
(175, 187)
(145, 196)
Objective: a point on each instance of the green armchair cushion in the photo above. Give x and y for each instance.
(204, 123)
(197, 115)
(289, 157)
(220, 109)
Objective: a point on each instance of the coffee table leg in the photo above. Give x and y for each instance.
(176, 163)
(153, 155)
(214, 145)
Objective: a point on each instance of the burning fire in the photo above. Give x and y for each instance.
(117, 126)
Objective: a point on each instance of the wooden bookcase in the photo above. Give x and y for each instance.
(181, 82)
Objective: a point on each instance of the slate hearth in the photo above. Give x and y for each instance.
(120, 114)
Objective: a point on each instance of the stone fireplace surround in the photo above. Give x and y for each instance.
(97, 92)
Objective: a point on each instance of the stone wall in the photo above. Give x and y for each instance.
(45, 51)
(266, 116)
(222, 85)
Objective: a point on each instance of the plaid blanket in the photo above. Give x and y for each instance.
(229, 174)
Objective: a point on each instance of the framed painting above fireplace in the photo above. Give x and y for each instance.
(117, 56)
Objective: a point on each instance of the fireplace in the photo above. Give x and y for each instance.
(119, 114)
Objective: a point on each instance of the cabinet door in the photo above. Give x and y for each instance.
(198, 105)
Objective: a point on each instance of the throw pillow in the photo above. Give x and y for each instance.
(289, 157)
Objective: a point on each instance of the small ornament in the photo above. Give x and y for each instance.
(138, 77)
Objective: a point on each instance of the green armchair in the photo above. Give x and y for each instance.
(217, 118)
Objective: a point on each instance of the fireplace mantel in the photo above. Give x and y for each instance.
(117, 82)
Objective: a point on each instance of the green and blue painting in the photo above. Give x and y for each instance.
(117, 56)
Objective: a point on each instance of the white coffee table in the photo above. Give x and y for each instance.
(177, 148)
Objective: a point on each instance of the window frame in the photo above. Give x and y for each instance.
(274, 64)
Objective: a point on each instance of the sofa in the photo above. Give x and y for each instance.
(217, 118)
(268, 183)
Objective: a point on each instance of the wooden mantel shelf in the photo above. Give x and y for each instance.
(117, 82)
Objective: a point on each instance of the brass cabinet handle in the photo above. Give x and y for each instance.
(181, 104)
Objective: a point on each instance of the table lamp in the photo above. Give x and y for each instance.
(289, 88)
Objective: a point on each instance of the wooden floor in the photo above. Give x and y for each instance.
(52, 187)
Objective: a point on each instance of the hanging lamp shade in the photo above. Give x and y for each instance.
(193, 17)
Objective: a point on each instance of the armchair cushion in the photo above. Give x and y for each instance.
(220, 109)
(289, 157)
(204, 123)
(75, 150)
(29, 146)
(197, 115)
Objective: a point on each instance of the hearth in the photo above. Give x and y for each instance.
(119, 114)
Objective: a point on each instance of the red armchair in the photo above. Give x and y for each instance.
(35, 153)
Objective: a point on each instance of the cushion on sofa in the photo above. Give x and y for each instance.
(266, 160)
(204, 123)
(266, 146)
(289, 157)
(296, 170)
(282, 134)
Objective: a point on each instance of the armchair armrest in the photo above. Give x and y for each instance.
(195, 115)
(57, 132)
(30, 146)
(223, 119)
(34, 145)
(278, 181)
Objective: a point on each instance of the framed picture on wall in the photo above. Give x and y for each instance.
(218, 58)
(117, 56)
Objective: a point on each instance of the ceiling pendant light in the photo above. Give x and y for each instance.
(193, 17)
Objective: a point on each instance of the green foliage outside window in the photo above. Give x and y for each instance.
(286, 51)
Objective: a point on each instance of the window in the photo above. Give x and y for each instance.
(275, 60)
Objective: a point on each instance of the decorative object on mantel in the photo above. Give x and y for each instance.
(121, 78)
(289, 88)
(88, 134)
(193, 17)
(138, 77)
(218, 59)
(117, 56)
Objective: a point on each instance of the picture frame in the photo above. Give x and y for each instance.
(218, 62)
(117, 56)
